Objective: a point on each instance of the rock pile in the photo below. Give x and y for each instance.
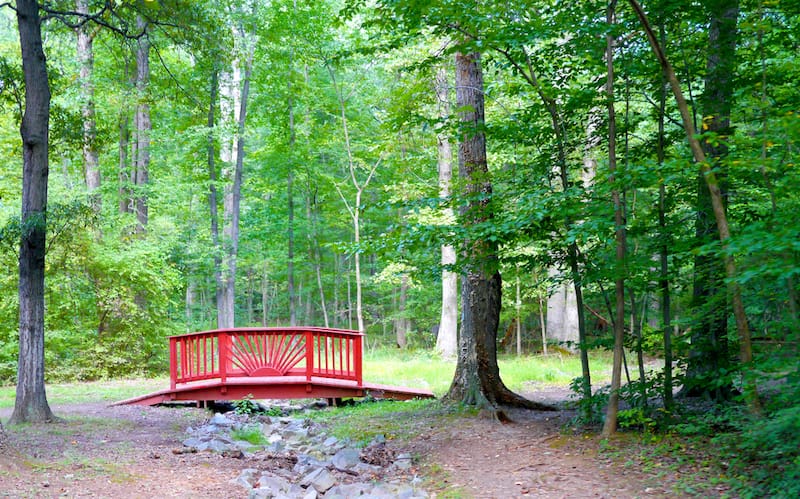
(299, 461)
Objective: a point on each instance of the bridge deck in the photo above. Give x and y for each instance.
(269, 363)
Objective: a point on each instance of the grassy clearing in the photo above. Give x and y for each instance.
(427, 370)
(91, 391)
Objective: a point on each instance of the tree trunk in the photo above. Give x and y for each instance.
(143, 126)
(610, 423)
(213, 198)
(447, 338)
(85, 54)
(232, 203)
(124, 167)
(663, 283)
(31, 400)
(401, 324)
(355, 209)
(709, 354)
(743, 329)
(314, 249)
(477, 377)
(290, 207)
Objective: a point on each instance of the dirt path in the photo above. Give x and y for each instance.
(530, 458)
(127, 452)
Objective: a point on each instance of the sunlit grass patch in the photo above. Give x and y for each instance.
(82, 392)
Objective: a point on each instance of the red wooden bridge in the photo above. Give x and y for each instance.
(269, 363)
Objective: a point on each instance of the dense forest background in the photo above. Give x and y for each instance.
(284, 157)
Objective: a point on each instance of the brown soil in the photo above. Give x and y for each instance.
(127, 452)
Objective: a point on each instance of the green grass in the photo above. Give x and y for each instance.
(251, 434)
(91, 391)
(427, 370)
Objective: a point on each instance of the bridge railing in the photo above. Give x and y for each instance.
(258, 352)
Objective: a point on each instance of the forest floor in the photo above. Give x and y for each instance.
(128, 451)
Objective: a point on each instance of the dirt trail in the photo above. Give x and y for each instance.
(127, 452)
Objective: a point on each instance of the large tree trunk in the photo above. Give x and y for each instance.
(447, 339)
(141, 170)
(709, 354)
(31, 401)
(477, 378)
(85, 40)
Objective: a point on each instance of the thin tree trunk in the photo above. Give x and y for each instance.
(401, 325)
(233, 201)
(31, 404)
(355, 209)
(518, 306)
(265, 297)
(143, 127)
(85, 40)
(124, 168)
(666, 313)
(290, 208)
(212, 190)
(610, 423)
(743, 330)
(447, 338)
(316, 254)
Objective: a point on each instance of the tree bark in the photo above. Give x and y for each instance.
(709, 354)
(213, 198)
(610, 423)
(290, 203)
(663, 282)
(477, 377)
(447, 339)
(31, 400)
(85, 41)
(123, 166)
(143, 126)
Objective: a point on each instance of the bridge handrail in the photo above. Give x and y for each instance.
(266, 351)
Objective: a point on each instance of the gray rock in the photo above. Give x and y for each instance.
(403, 462)
(346, 459)
(246, 478)
(274, 482)
(367, 469)
(221, 420)
(347, 491)
(192, 442)
(320, 478)
(218, 446)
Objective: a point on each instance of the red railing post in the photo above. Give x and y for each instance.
(309, 354)
(223, 342)
(357, 357)
(173, 363)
